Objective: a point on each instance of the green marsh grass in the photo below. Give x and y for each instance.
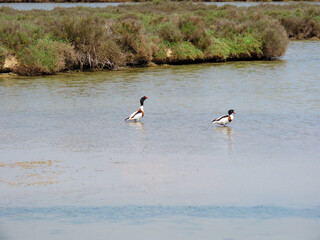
(47, 42)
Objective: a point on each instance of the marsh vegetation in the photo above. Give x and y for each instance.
(46, 42)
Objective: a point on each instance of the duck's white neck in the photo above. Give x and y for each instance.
(141, 107)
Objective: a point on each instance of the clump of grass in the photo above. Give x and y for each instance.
(271, 34)
(45, 57)
(93, 46)
(242, 46)
(183, 51)
(301, 21)
(18, 34)
(129, 34)
(301, 28)
(170, 32)
(194, 30)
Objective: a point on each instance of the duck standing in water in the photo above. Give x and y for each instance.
(135, 116)
(223, 120)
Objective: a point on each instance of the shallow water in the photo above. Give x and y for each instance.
(71, 166)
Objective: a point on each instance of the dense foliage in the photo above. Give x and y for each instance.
(46, 42)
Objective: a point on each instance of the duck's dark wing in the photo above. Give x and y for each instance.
(219, 118)
(137, 112)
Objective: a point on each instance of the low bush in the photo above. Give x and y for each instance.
(93, 45)
(170, 32)
(133, 39)
(45, 57)
(184, 52)
(17, 34)
(242, 46)
(301, 28)
(301, 21)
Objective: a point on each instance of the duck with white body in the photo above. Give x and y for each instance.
(223, 120)
(137, 115)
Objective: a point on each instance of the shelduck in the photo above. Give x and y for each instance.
(135, 116)
(223, 120)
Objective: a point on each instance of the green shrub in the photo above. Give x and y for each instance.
(301, 21)
(104, 55)
(193, 28)
(127, 32)
(272, 35)
(301, 28)
(241, 46)
(184, 51)
(170, 32)
(275, 42)
(131, 37)
(16, 35)
(93, 43)
(45, 57)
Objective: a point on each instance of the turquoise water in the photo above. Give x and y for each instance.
(72, 168)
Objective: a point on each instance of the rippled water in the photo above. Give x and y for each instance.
(70, 165)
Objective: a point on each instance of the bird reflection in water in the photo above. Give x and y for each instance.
(226, 133)
(137, 125)
(138, 136)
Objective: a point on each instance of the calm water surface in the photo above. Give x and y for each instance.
(71, 168)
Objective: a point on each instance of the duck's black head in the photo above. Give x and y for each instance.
(231, 111)
(142, 100)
